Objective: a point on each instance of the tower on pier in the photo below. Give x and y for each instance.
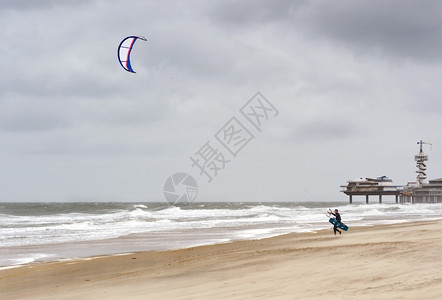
(420, 159)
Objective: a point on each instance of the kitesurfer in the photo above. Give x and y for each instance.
(338, 221)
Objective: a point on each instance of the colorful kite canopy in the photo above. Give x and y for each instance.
(124, 50)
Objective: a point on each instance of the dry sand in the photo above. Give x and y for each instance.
(402, 261)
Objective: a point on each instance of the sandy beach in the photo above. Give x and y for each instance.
(401, 261)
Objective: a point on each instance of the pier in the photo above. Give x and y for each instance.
(425, 193)
(380, 186)
(420, 191)
(414, 192)
(367, 194)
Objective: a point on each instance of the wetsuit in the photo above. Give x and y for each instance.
(338, 219)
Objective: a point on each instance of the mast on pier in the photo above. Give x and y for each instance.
(420, 159)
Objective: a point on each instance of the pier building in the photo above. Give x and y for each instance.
(420, 191)
(424, 193)
(380, 186)
(414, 192)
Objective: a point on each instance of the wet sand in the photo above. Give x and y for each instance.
(401, 261)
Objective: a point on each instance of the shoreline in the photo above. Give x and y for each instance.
(114, 228)
(367, 262)
(146, 242)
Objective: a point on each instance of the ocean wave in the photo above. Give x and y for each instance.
(106, 221)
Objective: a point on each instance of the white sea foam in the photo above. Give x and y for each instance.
(22, 259)
(32, 227)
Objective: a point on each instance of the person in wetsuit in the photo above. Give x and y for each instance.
(338, 219)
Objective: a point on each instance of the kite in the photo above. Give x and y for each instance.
(124, 50)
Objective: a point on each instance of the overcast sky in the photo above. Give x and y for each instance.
(356, 85)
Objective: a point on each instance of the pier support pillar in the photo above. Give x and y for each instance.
(396, 198)
(351, 199)
(380, 199)
(366, 199)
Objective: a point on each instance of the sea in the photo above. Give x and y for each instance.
(42, 232)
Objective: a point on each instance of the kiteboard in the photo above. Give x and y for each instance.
(340, 226)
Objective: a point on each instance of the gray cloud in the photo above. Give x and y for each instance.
(23, 5)
(335, 70)
(409, 29)
(325, 130)
(30, 122)
(249, 12)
